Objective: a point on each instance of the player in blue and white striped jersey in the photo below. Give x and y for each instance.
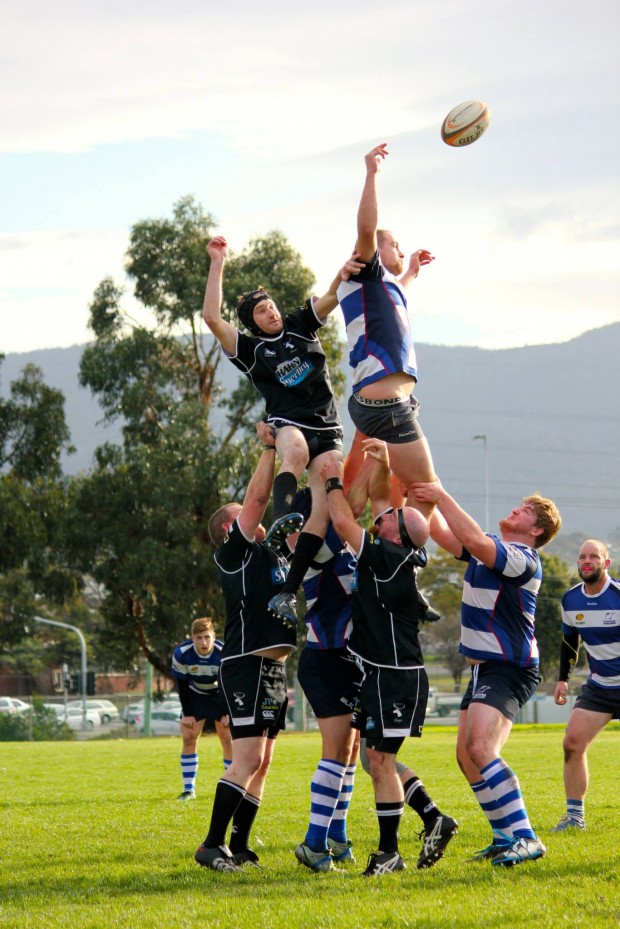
(590, 613)
(196, 667)
(330, 679)
(497, 638)
(380, 340)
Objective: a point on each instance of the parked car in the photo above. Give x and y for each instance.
(442, 704)
(133, 710)
(106, 709)
(57, 708)
(163, 721)
(14, 706)
(130, 710)
(72, 715)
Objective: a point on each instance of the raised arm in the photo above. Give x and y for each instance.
(461, 525)
(259, 489)
(443, 536)
(340, 513)
(224, 332)
(368, 210)
(329, 301)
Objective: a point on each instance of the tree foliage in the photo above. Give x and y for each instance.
(33, 434)
(33, 431)
(139, 520)
(442, 582)
(557, 578)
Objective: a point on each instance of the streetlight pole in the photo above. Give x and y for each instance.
(483, 438)
(53, 622)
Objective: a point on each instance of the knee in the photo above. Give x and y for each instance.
(573, 747)
(475, 755)
(295, 459)
(377, 764)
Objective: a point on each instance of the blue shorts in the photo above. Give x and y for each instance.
(505, 687)
(330, 678)
(599, 699)
(206, 706)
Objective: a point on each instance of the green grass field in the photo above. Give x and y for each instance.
(92, 836)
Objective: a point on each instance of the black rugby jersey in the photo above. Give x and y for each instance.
(250, 574)
(290, 371)
(385, 606)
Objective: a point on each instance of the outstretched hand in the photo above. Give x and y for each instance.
(217, 247)
(419, 258)
(374, 158)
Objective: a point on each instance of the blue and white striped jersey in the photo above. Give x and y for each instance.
(327, 589)
(499, 605)
(597, 620)
(201, 672)
(378, 326)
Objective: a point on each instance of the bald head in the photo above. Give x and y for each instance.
(592, 563)
(416, 525)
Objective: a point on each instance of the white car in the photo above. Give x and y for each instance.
(106, 709)
(73, 716)
(57, 708)
(164, 720)
(14, 706)
(134, 710)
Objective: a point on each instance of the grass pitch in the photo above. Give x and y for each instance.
(92, 837)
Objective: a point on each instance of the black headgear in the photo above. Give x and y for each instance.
(245, 309)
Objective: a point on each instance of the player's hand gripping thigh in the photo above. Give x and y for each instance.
(319, 517)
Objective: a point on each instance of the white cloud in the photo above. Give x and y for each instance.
(523, 222)
(48, 280)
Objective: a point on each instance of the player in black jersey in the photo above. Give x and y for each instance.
(252, 673)
(385, 639)
(283, 358)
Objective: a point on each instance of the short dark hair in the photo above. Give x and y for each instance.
(216, 524)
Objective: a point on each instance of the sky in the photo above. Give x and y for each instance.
(113, 111)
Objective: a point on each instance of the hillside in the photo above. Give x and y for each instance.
(549, 414)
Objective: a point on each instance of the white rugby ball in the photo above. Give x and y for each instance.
(465, 123)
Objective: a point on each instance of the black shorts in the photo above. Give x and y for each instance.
(599, 699)
(393, 706)
(317, 440)
(394, 420)
(206, 706)
(505, 687)
(330, 678)
(255, 690)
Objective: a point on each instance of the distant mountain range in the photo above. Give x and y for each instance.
(550, 415)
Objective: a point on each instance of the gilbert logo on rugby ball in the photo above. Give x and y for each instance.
(465, 123)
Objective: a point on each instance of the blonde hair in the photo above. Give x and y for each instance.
(547, 518)
(204, 624)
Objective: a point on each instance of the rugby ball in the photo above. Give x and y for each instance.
(465, 123)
